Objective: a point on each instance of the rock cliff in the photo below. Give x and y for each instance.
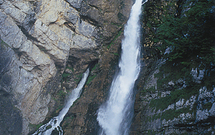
(170, 98)
(167, 106)
(45, 47)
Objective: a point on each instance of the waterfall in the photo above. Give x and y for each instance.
(54, 123)
(115, 115)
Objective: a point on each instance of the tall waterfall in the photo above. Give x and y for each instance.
(54, 123)
(114, 116)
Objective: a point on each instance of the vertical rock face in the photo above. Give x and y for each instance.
(171, 107)
(42, 40)
(169, 101)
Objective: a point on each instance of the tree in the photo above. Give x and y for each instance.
(188, 31)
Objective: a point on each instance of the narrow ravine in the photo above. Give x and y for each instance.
(115, 115)
(54, 123)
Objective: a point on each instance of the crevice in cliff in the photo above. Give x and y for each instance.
(78, 9)
(93, 63)
(25, 32)
(93, 6)
(89, 20)
(70, 26)
(111, 40)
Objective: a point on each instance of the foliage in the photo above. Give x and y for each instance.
(90, 78)
(35, 126)
(207, 105)
(176, 95)
(95, 67)
(190, 35)
(64, 75)
(3, 44)
(71, 68)
(92, 75)
(187, 30)
(118, 34)
(171, 114)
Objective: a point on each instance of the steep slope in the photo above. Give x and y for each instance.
(176, 87)
(45, 46)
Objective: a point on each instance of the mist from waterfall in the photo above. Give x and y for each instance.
(115, 115)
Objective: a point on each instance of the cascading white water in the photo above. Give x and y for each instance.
(114, 115)
(54, 123)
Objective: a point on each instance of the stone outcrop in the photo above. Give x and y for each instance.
(170, 101)
(46, 40)
(46, 45)
(171, 107)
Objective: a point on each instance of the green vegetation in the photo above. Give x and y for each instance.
(119, 33)
(207, 106)
(187, 30)
(116, 24)
(3, 44)
(69, 118)
(95, 67)
(90, 78)
(71, 68)
(182, 34)
(61, 93)
(176, 95)
(151, 89)
(171, 114)
(78, 78)
(116, 54)
(189, 36)
(64, 75)
(34, 126)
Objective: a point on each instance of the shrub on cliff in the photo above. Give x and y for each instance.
(188, 31)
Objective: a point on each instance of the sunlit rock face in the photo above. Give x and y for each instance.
(40, 39)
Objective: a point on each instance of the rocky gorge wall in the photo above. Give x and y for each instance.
(45, 47)
(167, 106)
(171, 100)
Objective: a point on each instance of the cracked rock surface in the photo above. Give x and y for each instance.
(39, 40)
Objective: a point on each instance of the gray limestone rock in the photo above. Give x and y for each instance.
(75, 3)
(212, 110)
(38, 36)
(85, 28)
(202, 115)
(14, 12)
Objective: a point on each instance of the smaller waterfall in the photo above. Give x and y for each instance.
(54, 123)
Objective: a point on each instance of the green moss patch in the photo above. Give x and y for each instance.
(90, 78)
(176, 95)
(119, 33)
